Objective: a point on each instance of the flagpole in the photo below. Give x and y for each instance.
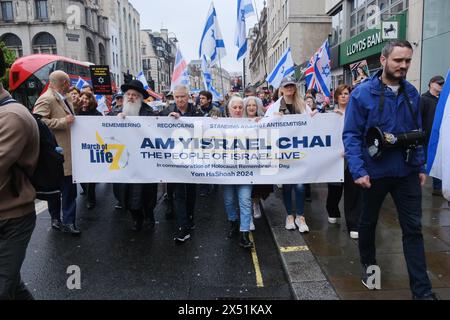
(221, 75)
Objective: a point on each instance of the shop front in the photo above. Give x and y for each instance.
(359, 56)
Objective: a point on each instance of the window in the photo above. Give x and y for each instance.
(7, 11)
(102, 54)
(90, 50)
(363, 10)
(13, 43)
(88, 17)
(337, 27)
(41, 10)
(100, 25)
(44, 42)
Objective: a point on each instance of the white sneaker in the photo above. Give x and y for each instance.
(332, 220)
(354, 235)
(290, 224)
(256, 211)
(301, 223)
(252, 225)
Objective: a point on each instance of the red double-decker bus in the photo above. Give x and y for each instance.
(29, 75)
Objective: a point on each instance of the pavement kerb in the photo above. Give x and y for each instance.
(306, 278)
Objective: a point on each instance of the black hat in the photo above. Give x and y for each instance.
(135, 85)
(437, 79)
(2, 64)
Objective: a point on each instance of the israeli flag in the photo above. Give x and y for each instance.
(102, 107)
(143, 80)
(438, 165)
(244, 10)
(212, 45)
(207, 79)
(81, 83)
(284, 67)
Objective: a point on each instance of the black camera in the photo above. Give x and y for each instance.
(377, 141)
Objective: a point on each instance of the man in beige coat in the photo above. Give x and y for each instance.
(57, 113)
(19, 151)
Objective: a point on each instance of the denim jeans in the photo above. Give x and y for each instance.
(299, 198)
(184, 196)
(69, 203)
(407, 195)
(244, 195)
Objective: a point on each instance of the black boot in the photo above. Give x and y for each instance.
(149, 221)
(137, 225)
(234, 229)
(245, 241)
(169, 215)
(138, 220)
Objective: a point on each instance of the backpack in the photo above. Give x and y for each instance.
(49, 174)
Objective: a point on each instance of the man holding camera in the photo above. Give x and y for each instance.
(390, 104)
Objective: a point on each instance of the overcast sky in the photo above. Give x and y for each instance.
(186, 18)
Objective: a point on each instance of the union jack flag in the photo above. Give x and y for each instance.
(318, 71)
(180, 74)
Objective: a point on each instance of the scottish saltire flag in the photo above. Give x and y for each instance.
(180, 74)
(284, 67)
(212, 45)
(143, 80)
(244, 10)
(207, 79)
(318, 71)
(81, 83)
(438, 165)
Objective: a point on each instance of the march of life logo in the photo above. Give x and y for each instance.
(108, 151)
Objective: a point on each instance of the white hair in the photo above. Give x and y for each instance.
(132, 109)
(232, 101)
(179, 87)
(259, 110)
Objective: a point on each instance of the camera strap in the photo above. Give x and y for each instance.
(415, 116)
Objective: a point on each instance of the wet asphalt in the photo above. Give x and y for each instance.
(118, 263)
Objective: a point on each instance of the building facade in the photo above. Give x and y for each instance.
(360, 29)
(84, 30)
(301, 25)
(435, 41)
(247, 61)
(124, 28)
(75, 29)
(158, 52)
(221, 79)
(258, 53)
(196, 82)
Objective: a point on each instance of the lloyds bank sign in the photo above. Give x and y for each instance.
(370, 42)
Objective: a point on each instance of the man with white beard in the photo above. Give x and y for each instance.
(138, 198)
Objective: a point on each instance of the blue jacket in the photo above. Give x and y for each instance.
(363, 113)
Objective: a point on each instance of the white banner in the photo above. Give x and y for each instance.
(282, 150)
